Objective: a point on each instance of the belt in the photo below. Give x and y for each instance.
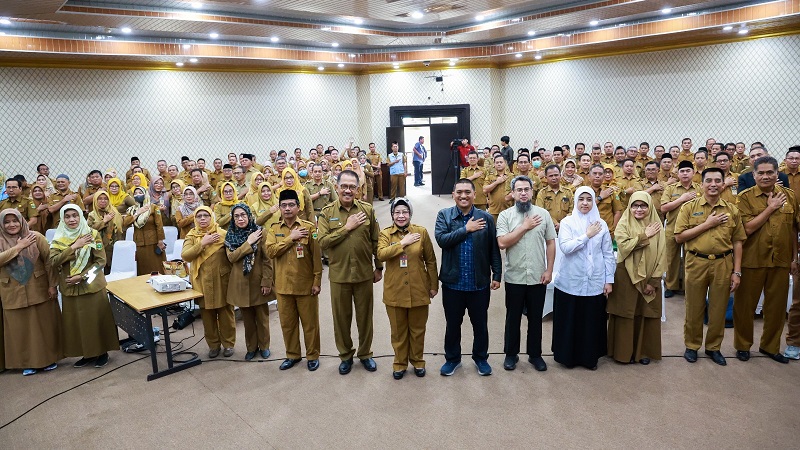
(317, 209)
(711, 257)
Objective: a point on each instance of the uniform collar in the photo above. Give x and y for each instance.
(394, 229)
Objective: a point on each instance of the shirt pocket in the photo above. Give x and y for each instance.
(566, 205)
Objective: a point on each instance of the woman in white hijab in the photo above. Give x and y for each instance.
(582, 284)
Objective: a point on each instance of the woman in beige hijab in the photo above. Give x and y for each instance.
(634, 307)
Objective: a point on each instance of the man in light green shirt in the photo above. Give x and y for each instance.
(527, 234)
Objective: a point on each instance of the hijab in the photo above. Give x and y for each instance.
(296, 186)
(44, 192)
(98, 213)
(646, 262)
(141, 220)
(580, 221)
(66, 236)
(118, 198)
(198, 233)
(48, 187)
(222, 200)
(236, 236)
(253, 193)
(153, 192)
(142, 181)
(356, 167)
(260, 205)
(187, 209)
(21, 267)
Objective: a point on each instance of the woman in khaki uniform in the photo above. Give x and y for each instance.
(39, 199)
(77, 253)
(106, 220)
(291, 181)
(184, 214)
(117, 195)
(210, 270)
(411, 281)
(250, 286)
(228, 198)
(266, 209)
(31, 316)
(148, 233)
(634, 306)
(174, 201)
(369, 181)
(253, 192)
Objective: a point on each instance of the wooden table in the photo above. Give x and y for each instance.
(134, 302)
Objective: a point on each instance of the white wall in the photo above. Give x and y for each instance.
(77, 120)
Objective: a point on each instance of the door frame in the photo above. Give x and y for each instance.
(396, 114)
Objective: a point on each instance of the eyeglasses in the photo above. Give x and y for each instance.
(287, 205)
(402, 213)
(522, 190)
(639, 206)
(348, 187)
(240, 216)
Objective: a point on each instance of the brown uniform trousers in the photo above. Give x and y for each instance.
(793, 332)
(767, 256)
(375, 160)
(351, 273)
(296, 276)
(707, 275)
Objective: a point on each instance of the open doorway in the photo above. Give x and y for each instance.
(411, 135)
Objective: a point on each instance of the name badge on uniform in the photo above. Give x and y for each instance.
(403, 261)
(299, 250)
(698, 213)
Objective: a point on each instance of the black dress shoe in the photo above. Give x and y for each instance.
(346, 366)
(690, 355)
(398, 374)
(717, 357)
(313, 364)
(369, 364)
(775, 356)
(419, 371)
(644, 361)
(668, 293)
(743, 355)
(510, 363)
(289, 363)
(538, 363)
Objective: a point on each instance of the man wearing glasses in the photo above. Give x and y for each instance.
(527, 233)
(349, 231)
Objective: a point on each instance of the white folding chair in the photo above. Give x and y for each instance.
(129, 233)
(123, 261)
(170, 236)
(50, 234)
(177, 248)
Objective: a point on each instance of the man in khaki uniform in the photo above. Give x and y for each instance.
(497, 187)
(135, 162)
(163, 172)
(666, 174)
(477, 175)
(628, 181)
(349, 231)
(61, 197)
(554, 197)
(740, 161)
(322, 191)
(770, 216)
(723, 161)
(653, 186)
(608, 204)
(700, 164)
(686, 151)
(673, 197)
(792, 172)
(292, 243)
(608, 154)
(712, 232)
(523, 167)
(95, 183)
(15, 200)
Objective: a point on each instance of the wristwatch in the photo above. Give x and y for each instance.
(738, 274)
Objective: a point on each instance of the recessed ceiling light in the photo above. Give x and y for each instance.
(567, 35)
(516, 19)
(692, 14)
(213, 35)
(727, 28)
(274, 39)
(325, 28)
(666, 10)
(197, 5)
(358, 21)
(5, 22)
(396, 66)
(594, 23)
(453, 59)
(510, 48)
(126, 30)
(531, 33)
(743, 31)
(537, 57)
(192, 60)
(179, 64)
(518, 55)
(186, 46)
(352, 55)
(479, 17)
(335, 44)
(99, 38)
(452, 63)
(340, 65)
(417, 15)
(320, 68)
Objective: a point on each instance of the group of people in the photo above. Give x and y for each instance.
(262, 233)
